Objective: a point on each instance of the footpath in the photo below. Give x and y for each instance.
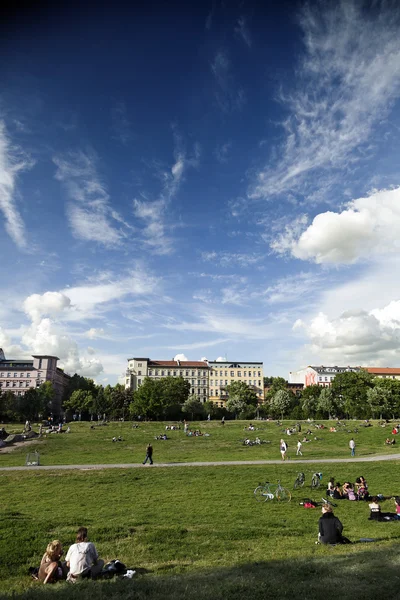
(376, 458)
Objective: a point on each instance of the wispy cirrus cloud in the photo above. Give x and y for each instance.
(228, 94)
(242, 31)
(229, 259)
(347, 82)
(154, 213)
(122, 129)
(90, 214)
(221, 152)
(11, 162)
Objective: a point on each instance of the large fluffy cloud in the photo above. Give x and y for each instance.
(49, 303)
(367, 227)
(369, 338)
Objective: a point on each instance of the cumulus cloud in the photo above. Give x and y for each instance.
(180, 357)
(366, 227)
(220, 359)
(49, 303)
(358, 337)
(46, 337)
(347, 81)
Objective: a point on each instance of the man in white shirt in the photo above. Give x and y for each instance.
(299, 445)
(82, 558)
(352, 446)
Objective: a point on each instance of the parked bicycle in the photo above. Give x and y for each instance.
(316, 480)
(299, 482)
(269, 491)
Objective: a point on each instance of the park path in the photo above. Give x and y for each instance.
(376, 458)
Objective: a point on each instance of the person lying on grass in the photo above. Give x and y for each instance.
(330, 528)
(82, 558)
(51, 568)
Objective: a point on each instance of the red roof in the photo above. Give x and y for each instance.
(182, 364)
(383, 371)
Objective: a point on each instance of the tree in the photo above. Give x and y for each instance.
(241, 391)
(194, 407)
(391, 391)
(377, 400)
(281, 401)
(81, 401)
(309, 400)
(325, 403)
(160, 398)
(351, 388)
(235, 405)
(276, 384)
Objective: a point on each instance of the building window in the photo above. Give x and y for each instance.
(204, 382)
(139, 382)
(239, 373)
(220, 373)
(8, 374)
(244, 373)
(139, 372)
(162, 373)
(7, 384)
(169, 373)
(187, 373)
(21, 383)
(250, 382)
(212, 382)
(232, 373)
(259, 384)
(216, 392)
(193, 373)
(2, 375)
(14, 384)
(21, 374)
(221, 382)
(40, 363)
(226, 382)
(259, 373)
(26, 383)
(319, 378)
(212, 392)
(28, 374)
(139, 364)
(156, 372)
(226, 373)
(150, 372)
(180, 373)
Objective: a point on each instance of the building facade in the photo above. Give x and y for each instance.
(18, 376)
(321, 375)
(222, 374)
(384, 373)
(195, 372)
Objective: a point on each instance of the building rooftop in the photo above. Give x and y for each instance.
(383, 370)
(178, 363)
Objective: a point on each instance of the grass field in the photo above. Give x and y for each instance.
(196, 532)
(84, 445)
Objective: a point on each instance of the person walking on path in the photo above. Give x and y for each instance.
(352, 446)
(283, 449)
(298, 451)
(149, 454)
(223, 421)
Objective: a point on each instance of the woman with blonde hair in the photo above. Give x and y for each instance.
(51, 568)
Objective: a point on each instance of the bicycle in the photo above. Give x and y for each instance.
(269, 491)
(299, 482)
(316, 480)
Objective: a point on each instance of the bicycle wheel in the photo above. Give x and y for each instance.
(283, 494)
(262, 494)
(315, 482)
(300, 479)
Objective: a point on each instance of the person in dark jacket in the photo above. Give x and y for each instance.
(330, 528)
(149, 454)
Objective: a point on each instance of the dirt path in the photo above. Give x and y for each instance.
(376, 458)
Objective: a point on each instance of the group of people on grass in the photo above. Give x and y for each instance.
(81, 561)
(348, 491)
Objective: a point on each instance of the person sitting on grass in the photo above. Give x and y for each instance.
(397, 503)
(337, 492)
(82, 558)
(375, 510)
(362, 488)
(330, 487)
(330, 528)
(390, 442)
(51, 568)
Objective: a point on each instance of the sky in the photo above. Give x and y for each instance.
(213, 180)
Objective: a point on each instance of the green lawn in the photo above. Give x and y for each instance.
(196, 532)
(84, 445)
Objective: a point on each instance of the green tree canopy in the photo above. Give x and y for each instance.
(350, 388)
(281, 401)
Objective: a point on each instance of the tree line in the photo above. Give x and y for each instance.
(358, 395)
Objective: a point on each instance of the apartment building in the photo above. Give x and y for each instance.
(384, 372)
(195, 372)
(20, 375)
(222, 374)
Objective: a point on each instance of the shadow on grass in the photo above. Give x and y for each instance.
(367, 574)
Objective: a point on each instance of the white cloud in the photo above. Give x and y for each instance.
(229, 96)
(49, 303)
(220, 359)
(242, 31)
(293, 288)
(154, 213)
(231, 326)
(221, 152)
(180, 357)
(45, 337)
(358, 337)
(94, 333)
(366, 227)
(10, 164)
(227, 259)
(89, 212)
(347, 83)
(120, 123)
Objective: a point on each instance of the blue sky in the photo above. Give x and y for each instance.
(217, 180)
